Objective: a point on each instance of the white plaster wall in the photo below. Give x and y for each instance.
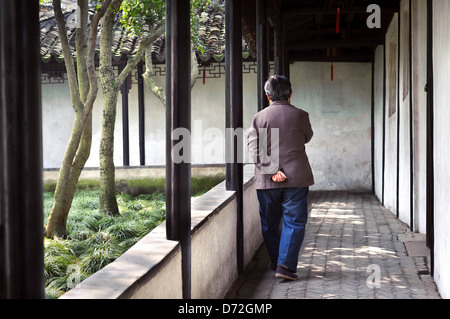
(441, 60)
(166, 284)
(340, 114)
(404, 187)
(213, 253)
(252, 224)
(208, 117)
(378, 120)
(403, 111)
(419, 55)
(57, 120)
(208, 122)
(419, 73)
(390, 173)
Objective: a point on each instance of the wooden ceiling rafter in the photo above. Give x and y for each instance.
(310, 27)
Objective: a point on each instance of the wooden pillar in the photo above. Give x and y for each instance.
(141, 106)
(178, 161)
(286, 63)
(277, 53)
(234, 115)
(284, 52)
(125, 121)
(262, 48)
(279, 48)
(21, 203)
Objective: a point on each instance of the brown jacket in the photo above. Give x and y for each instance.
(294, 130)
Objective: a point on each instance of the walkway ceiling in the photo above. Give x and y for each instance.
(310, 28)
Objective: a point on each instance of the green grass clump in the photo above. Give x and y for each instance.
(94, 240)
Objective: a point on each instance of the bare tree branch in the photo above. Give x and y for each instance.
(145, 43)
(194, 66)
(91, 54)
(148, 78)
(81, 48)
(154, 87)
(68, 58)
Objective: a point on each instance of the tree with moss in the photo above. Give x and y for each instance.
(151, 27)
(83, 87)
(145, 18)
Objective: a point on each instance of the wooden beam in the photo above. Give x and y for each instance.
(323, 44)
(301, 10)
(310, 57)
(332, 30)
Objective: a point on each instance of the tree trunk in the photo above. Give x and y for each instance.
(83, 91)
(107, 199)
(110, 86)
(110, 89)
(77, 153)
(83, 153)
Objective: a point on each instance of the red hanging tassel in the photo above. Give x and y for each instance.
(204, 76)
(332, 72)
(338, 18)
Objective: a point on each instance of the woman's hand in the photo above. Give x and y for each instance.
(279, 177)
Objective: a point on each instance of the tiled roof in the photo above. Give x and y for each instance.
(211, 34)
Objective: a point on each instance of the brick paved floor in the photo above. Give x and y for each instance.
(350, 239)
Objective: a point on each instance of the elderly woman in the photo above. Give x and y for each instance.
(276, 143)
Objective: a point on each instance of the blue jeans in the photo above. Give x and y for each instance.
(291, 205)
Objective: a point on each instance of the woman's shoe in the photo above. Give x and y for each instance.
(283, 272)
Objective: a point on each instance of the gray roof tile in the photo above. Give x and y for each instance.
(211, 35)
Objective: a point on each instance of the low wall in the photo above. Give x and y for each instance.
(151, 269)
(127, 173)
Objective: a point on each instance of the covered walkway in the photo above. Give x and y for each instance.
(350, 239)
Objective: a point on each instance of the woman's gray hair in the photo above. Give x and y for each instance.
(278, 87)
